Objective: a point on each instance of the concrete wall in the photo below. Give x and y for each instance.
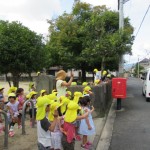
(46, 82)
(101, 99)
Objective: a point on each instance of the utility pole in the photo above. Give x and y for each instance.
(121, 26)
(121, 61)
(138, 68)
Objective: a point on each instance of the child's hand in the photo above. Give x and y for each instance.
(56, 114)
(89, 128)
(71, 74)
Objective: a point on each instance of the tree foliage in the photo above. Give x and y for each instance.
(21, 50)
(88, 37)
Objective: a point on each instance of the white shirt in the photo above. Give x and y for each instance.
(44, 137)
(60, 89)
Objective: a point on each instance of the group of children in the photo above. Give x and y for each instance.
(61, 117)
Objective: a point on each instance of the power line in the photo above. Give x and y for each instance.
(142, 21)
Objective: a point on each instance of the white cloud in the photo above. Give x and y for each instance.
(109, 3)
(32, 13)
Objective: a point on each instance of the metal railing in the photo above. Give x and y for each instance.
(6, 129)
(23, 115)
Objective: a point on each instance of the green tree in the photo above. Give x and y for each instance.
(21, 50)
(88, 37)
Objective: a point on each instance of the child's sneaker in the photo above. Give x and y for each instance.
(85, 146)
(89, 143)
(11, 133)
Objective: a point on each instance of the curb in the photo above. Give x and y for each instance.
(98, 137)
(106, 134)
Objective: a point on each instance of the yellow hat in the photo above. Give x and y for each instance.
(74, 83)
(85, 83)
(11, 95)
(68, 93)
(38, 73)
(30, 85)
(42, 91)
(87, 88)
(32, 93)
(41, 104)
(97, 81)
(71, 113)
(53, 107)
(1, 88)
(12, 89)
(104, 72)
(28, 96)
(95, 70)
(61, 75)
(52, 97)
(64, 101)
(109, 76)
(77, 95)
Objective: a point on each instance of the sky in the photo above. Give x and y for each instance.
(34, 15)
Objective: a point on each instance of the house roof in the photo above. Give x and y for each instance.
(145, 60)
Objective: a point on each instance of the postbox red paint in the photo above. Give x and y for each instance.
(119, 86)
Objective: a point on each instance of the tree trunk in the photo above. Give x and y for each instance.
(15, 79)
(8, 80)
(30, 77)
(83, 75)
(102, 65)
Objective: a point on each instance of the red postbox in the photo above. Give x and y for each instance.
(119, 87)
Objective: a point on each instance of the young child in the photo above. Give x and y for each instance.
(87, 91)
(32, 97)
(69, 131)
(21, 99)
(43, 92)
(56, 134)
(12, 113)
(61, 84)
(31, 87)
(43, 125)
(87, 125)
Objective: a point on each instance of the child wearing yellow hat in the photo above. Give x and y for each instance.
(87, 91)
(12, 89)
(61, 84)
(69, 131)
(43, 92)
(96, 75)
(87, 125)
(31, 87)
(43, 125)
(32, 97)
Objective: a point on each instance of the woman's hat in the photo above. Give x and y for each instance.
(61, 75)
(71, 113)
(1, 88)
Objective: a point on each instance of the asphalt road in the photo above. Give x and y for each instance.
(132, 126)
